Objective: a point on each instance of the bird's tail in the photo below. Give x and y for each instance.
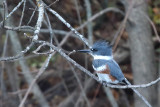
(146, 102)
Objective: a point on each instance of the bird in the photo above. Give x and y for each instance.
(106, 68)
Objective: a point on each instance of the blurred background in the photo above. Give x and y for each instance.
(132, 27)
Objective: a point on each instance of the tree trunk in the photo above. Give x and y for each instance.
(142, 52)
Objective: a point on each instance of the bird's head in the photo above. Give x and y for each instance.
(99, 48)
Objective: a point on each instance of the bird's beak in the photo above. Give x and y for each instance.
(84, 51)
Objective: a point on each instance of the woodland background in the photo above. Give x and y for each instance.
(132, 27)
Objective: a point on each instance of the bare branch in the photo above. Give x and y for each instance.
(32, 16)
(80, 85)
(4, 14)
(153, 26)
(19, 4)
(121, 29)
(24, 5)
(93, 76)
(68, 25)
(18, 55)
(35, 36)
(98, 15)
(40, 19)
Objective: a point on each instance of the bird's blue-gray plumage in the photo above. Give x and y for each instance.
(106, 67)
(103, 61)
(103, 48)
(114, 68)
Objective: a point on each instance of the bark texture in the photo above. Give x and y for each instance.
(142, 52)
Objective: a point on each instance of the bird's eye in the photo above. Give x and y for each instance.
(93, 49)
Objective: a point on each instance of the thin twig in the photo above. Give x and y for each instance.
(52, 35)
(32, 16)
(18, 55)
(141, 96)
(15, 8)
(4, 14)
(53, 3)
(21, 28)
(39, 47)
(122, 27)
(21, 19)
(80, 85)
(32, 29)
(74, 51)
(98, 15)
(153, 26)
(78, 15)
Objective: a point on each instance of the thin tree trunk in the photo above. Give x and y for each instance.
(142, 52)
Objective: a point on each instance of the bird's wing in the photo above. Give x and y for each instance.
(115, 70)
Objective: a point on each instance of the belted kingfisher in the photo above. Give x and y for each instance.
(104, 65)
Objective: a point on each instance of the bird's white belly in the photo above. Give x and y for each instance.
(106, 78)
(99, 69)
